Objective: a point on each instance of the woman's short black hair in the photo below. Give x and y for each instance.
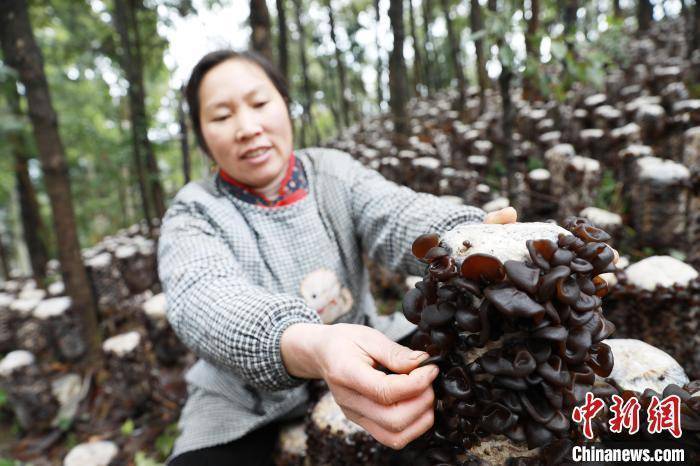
(212, 59)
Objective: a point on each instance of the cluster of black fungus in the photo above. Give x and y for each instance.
(518, 343)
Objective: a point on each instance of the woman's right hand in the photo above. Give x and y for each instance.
(394, 408)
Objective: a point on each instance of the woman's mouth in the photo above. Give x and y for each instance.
(257, 156)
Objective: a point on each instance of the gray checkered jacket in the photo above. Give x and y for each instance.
(233, 274)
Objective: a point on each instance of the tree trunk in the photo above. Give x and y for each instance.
(4, 260)
(330, 91)
(380, 67)
(184, 140)
(492, 5)
(431, 79)
(454, 55)
(140, 90)
(617, 9)
(344, 104)
(398, 79)
(695, 28)
(532, 46)
(570, 9)
(21, 52)
(135, 191)
(261, 40)
(282, 52)
(417, 59)
(504, 81)
(32, 226)
(308, 120)
(123, 188)
(645, 15)
(121, 24)
(684, 12)
(477, 25)
(357, 85)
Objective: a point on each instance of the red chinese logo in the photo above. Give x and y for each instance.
(587, 412)
(665, 415)
(624, 415)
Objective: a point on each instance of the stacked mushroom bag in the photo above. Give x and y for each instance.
(291, 445)
(512, 316)
(643, 371)
(658, 300)
(333, 439)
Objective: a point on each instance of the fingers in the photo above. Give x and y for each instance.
(352, 366)
(386, 389)
(395, 440)
(502, 216)
(388, 353)
(393, 418)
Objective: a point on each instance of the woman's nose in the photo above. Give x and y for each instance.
(247, 127)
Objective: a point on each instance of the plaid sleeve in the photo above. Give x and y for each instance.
(389, 217)
(215, 310)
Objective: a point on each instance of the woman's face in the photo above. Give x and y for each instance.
(245, 122)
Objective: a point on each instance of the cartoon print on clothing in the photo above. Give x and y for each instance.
(323, 292)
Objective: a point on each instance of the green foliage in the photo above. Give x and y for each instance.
(65, 423)
(572, 59)
(534, 163)
(609, 193)
(79, 46)
(140, 459)
(15, 428)
(128, 427)
(9, 462)
(694, 90)
(676, 254)
(496, 171)
(71, 441)
(166, 440)
(614, 41)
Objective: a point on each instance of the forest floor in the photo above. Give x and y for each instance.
(145, 437)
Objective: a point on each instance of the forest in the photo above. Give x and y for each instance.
(558, 108)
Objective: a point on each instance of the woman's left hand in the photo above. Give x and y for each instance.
(507, 215)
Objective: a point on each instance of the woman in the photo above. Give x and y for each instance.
(255, 259)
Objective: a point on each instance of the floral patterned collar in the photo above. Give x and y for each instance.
(294, 187)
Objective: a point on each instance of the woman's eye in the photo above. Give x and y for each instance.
(259, 104)
(221, 118)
